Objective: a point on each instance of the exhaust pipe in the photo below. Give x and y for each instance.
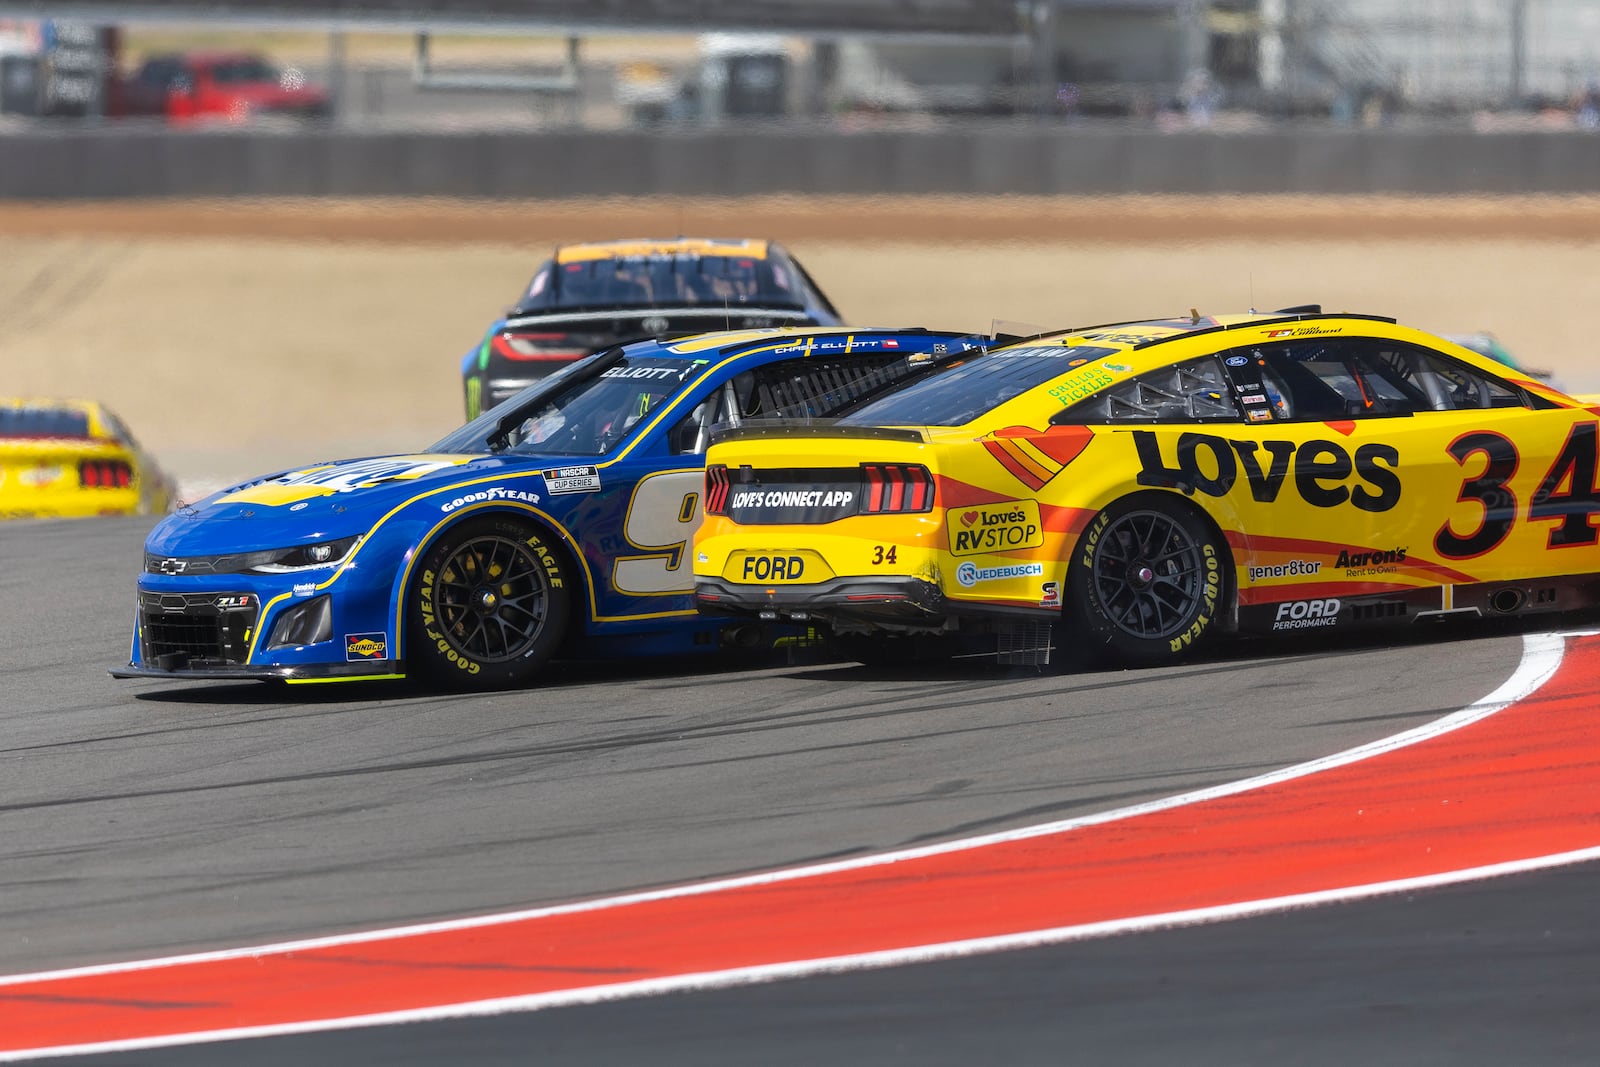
(1507, 601)
(743, 637)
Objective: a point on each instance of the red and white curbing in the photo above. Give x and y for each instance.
(1381, 818)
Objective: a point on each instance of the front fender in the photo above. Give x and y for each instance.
(408, 536)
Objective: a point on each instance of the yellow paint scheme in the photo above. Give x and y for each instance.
(854, 546)
(39, 476)
(351, 678)
(711, 341)
(782, 566)
(329, 478)
(1307, 508)
(697, 246)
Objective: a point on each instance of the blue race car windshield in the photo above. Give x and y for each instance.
(675, 279)
(968, 388)
(588, 417)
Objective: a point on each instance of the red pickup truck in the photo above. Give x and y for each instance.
(217, 86)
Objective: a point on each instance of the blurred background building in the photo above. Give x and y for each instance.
(730, 97)
(647, 62)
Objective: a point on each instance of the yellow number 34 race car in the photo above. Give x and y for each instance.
(1133, 490)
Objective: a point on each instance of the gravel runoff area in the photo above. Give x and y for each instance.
(239, 336)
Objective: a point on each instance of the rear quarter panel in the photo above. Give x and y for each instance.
(39, 478)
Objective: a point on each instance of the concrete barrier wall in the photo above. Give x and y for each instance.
(38, 163)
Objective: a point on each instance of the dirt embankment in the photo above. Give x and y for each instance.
(931, 219)
(236, 337)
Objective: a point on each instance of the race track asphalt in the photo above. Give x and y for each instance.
(141, 818)
(1488, 974)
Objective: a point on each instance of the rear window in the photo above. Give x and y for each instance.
(663, 280)
(967, 388)
(43, 422)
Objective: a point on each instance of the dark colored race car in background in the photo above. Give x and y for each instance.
(586, 297)
(557, 523)
(1487, 344)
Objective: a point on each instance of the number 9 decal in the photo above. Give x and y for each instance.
(662, 516)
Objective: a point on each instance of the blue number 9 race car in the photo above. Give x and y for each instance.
(556, 523)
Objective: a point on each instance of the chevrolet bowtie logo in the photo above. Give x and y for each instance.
(173, 566)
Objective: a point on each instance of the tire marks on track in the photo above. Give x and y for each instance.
(64, 277)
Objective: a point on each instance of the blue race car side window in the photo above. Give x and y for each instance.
(793, 390)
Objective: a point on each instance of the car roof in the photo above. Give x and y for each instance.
(746, 247)
(728, 342)
(211, 57)
(52, 403)
(1141, 344)
(1142, 333)
(205, 57)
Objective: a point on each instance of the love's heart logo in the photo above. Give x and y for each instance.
(968, 518)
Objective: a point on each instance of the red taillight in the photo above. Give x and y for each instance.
(716, 489)
(104, 474)
(896, 487)
(537, 347)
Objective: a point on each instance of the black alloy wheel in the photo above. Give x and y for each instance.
(490, 607)
(1147, 580)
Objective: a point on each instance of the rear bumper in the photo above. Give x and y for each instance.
(890, 602)
(889, 598)
(87, 504)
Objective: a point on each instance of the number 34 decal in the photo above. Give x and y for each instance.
(1567, 494)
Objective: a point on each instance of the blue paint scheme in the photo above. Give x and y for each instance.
(398, 505)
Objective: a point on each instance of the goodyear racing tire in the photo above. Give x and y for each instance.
(489, 606)
(1146, 583)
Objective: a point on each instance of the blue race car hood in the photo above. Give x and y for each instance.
(326, 501)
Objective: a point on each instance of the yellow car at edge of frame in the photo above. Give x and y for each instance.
(66, 459)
